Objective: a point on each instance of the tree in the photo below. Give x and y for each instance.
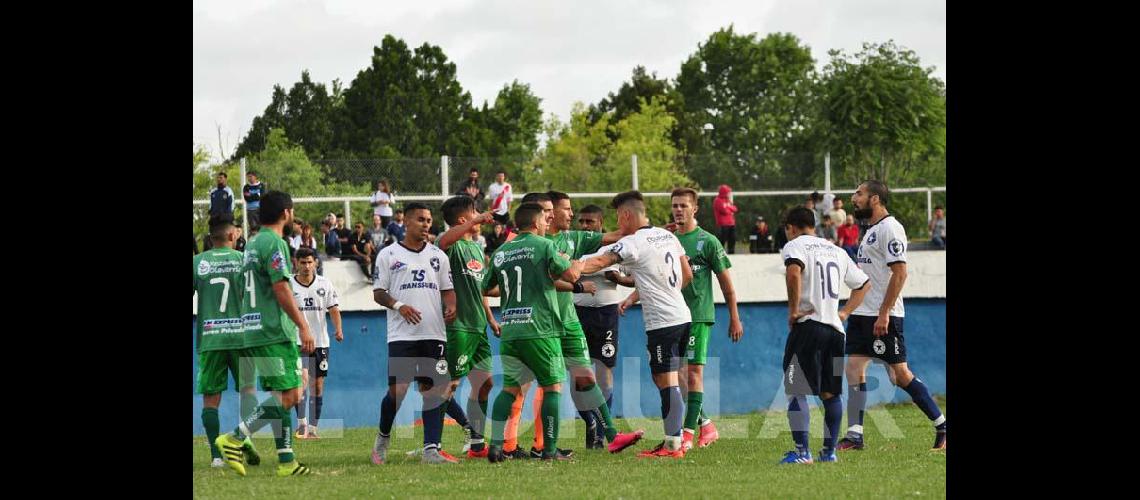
(272, 117)
(515, 121)
(884, 115)
(640, 88)
(308, 116)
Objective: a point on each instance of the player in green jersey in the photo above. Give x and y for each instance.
(271, 324)
(706, 257)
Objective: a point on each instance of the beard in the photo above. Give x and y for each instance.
(862, 213)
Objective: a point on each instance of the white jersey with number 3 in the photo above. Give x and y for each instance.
(883, 244)
(826, 267)
(653, 257)
(416, 279)
(314, 301)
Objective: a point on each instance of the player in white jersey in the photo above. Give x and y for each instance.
(813, 353)
(413, 280)
(875, 329)
(660, 270)
(315, 296)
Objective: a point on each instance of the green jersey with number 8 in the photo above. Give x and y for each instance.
(522, 269)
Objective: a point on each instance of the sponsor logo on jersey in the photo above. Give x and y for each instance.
(500, 258)
(435, 264)
(871, 238)
(700, 245)
(616, 249)
(517, 313)
(277, 262)
(570, 243)
(203, 267)
(475, 265)
(396, 266)
(895, 247)
(321, 292)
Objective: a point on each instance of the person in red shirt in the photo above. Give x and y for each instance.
(849, 236)
(725, 213)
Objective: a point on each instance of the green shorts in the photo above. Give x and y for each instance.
(575, 352)
(215, 369)
(278, 365)
(698, 348)
(532, 359)
(467, 351)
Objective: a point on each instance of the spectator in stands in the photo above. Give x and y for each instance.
(382, 201)
(343, 234)
(377, 235)
(360, 250)
(781, 236)
(837, 214)
(825, 203)
(724, 212)
(809, 203)
(938, 228)
(332, 242)
(760, 240)
(252, 192)
(849, 236)
(310, 242)
(470, 187)
(396, 228)
(496, 239)
(500, 195)
(195, 245)
(827, 231)
(221, 197)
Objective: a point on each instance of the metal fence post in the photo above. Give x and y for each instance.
(929, 201)
(827, 172)
(443, 177)
(244, 207)
(633, 160)
(347, 214)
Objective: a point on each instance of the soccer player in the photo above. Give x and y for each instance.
(523, 269)
(706, 257)
(217, 281)
(875, 329)
(413, 280)
(468, 351)
(314, 296)
(660, 269)
(271, 324)
(598, 314)
(812, 353)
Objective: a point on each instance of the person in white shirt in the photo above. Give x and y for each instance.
(382, 201)
(315, 296)
(501, 196)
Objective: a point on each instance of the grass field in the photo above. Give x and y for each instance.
(902, 465)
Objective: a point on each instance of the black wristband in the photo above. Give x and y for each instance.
(578, 288)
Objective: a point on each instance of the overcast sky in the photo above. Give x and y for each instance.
(566, 50)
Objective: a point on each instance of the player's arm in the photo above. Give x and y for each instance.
(894, 288)
(735, 327)
(284, 295)
(572, 273)
(495, 327)
(599, 262)
(457, 231)
(853, 302)
(611, 237)
(628, 302)
(575, 287)
(491, 292)
(334, 313)
(686, 272)
(794, 281)
(449, 312)
(410, 314)
(620, 278)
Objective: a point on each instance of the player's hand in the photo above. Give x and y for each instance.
(410, 314)
(339, 336)
(735, 330)
(448, 314)
(496, 328)
(589, 287)
(307, 341)
(793, 317)
(672, 227)
(843, 315)
(625, 304)
(881, 326)
(484, 218)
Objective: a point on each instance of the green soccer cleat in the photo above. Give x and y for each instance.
(231, 452)
(292, 469)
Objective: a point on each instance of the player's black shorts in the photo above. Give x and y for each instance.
(421, 360)
(317, 362)
(813, 359)
(601, 327)
(861, 339)
(667, 347)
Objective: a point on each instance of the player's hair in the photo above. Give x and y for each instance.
(800, 217)
(415, 205)
(473, 169)
(220, 224)
(456, 206)
(304, 252)
(397, 211)
(526, 214)
(629, 200)
(273, 206)
(879, 188)
(504, 172)
(556, 196)
(536, 198)
(223, 174)
(253, 173)
(591, 209)
(684, 191)
(938, 207)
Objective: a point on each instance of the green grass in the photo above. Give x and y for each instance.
(902, 465)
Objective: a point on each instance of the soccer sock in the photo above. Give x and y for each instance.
(799, 420)
(500, 416)
(856, 403)
(261, 415)
(477, 415)
(596, 399)
(921, 397)
(432, 415)
(387, 414)
(704, 418)
(283, 435)
(319, 402)
(512, 428)
(672, 410)
(455, 411)
(832, 417)
(301, 406)
(582, 403)
(550, 403)
(210, 422)
(248, 403)
(539, 436)
(693, 410)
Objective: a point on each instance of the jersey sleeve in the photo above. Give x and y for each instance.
(855, 278)
(333, 297)
(381, 275)
(443, 275)
(557, 264)
(626, 250)
(894, 245)
(714, 253)
(588, 242)
(277, 262)
(793, 254)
